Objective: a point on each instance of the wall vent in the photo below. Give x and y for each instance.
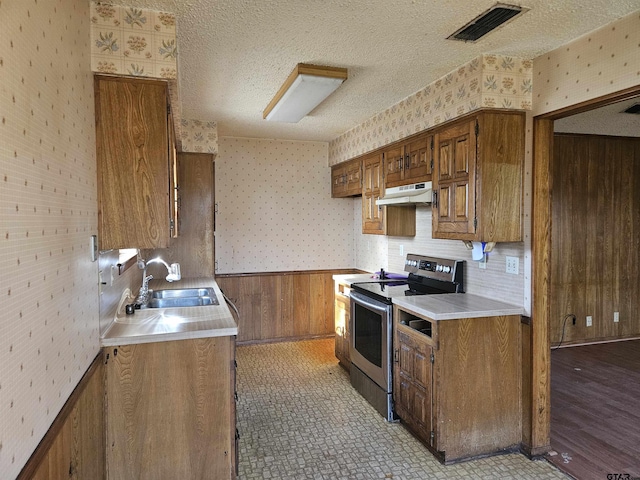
(486, 22)
(635, 108)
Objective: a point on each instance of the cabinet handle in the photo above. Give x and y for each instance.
(434, 199)
(395, 356)
(407, 162)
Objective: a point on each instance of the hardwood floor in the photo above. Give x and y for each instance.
(595, 414)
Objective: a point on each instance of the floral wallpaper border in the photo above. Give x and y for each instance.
(488, 81)
(198, 136)
(132, 41)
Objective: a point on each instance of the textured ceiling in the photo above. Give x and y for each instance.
(235, 54)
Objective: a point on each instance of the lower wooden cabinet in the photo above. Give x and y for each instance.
(413, 381)
(170, 410)
(458, 385)
(342, 327)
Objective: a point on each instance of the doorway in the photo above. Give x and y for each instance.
(543, 229)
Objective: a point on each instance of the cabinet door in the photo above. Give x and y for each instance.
(346, 179)
(418, 160)
(454, 182)
(372, 214)
(353, 172)
(338, 180)
(413, 383)
(423, 381)
(132, 163)
(403, 375)
(394, 164)
(170, 409)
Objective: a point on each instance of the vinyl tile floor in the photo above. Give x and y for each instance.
(299, 418)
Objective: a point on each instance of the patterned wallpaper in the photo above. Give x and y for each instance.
(199, 137)
(48, 210)
(274, 208)
(488, 81)
(604, 61)
(131, 41)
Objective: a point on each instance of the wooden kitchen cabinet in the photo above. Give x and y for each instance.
(346, 179)
(413, 381)
(387, 220)
(342, 327)
(458, 386)
(170, 409)
(136, 163)
(409, 162)
(477, 178)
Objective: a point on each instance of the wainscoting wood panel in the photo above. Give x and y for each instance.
(282, 305)
(595, 242)
(74, 445)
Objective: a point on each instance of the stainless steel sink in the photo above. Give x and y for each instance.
(182, 297)
(183, 292)
(181, 302)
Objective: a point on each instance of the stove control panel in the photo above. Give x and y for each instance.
(432, 267)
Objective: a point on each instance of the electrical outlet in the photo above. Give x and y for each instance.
(616, 317)
(513, 265)
(589, 320)
(402, 250)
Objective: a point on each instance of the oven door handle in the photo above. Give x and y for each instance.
(369, 303)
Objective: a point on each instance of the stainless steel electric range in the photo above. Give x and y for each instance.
(372, 322)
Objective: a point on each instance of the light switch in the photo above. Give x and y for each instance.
(93, 247)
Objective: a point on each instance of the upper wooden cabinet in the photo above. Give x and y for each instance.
(346, 179)
(409, 162)
(135, 148)
(477, 178)
(388, 220)
(372, 190)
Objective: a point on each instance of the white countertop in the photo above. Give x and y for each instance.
(453, 306)
(349, 278)
(164, 324)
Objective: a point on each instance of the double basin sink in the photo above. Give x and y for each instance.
(181, 297)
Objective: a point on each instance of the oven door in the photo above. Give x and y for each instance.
(370, 347)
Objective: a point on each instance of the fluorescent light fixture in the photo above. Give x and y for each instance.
(304, 90)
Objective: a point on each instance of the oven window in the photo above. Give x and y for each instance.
(368, 334)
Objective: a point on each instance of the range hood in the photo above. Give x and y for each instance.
(407, 194)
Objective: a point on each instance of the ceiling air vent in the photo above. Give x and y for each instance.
(487, 21)
(635, 108)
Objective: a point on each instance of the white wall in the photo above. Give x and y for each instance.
(48, 210)
(275, 212)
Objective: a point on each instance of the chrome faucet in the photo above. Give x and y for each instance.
(174, 275)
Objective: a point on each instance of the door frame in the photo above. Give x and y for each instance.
(541, 231)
